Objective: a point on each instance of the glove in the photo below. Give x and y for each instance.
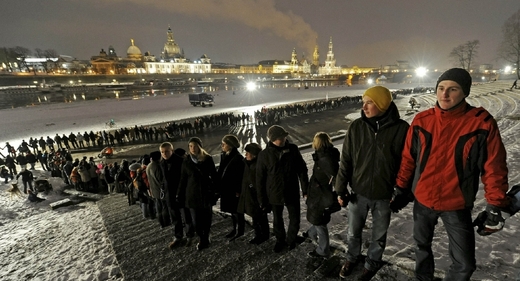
(490, 221)
(479, 223)
(266, 209)
(344, 200)
(400, 198)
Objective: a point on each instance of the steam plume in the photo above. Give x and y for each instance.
(259, 14)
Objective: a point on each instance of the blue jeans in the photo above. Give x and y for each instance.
(461, 237)
(320, 233)
(294, 223)
(357, 216)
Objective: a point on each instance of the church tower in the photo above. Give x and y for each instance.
(294, 60)
(330, 62)
(171, 49)
(316, 56)
(294, 57)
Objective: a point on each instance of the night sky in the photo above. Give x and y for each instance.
(364, 32)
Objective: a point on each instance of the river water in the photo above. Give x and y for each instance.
(71, 95)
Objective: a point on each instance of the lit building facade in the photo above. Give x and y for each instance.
(172, 60)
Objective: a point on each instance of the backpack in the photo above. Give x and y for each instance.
(140, 179)
(121, 175)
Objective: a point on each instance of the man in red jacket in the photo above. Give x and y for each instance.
(447, 149)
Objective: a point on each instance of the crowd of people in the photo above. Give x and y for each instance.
(384, 164)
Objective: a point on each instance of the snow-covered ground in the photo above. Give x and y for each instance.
(70, 243)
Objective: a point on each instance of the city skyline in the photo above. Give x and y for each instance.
(364, 33)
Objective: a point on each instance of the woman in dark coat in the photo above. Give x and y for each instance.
(321, 201)
(196, 189)
(248, 201)
(229, 186)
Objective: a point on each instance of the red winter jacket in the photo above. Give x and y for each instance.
(446, 152)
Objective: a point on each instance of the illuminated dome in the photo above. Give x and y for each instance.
(133, 51)
(171, 49)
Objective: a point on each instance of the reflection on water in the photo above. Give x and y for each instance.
(12, 100)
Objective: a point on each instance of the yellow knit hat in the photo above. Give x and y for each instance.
(381, 97)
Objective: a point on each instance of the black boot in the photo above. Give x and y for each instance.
(241, 222)
(233, 232)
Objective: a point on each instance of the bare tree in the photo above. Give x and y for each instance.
(39, 53)
(21, 54)
(52, 54)
(471, 51)
(6, 58)
(509, 48)
(464, 55)
(10, 58)
(459, 56)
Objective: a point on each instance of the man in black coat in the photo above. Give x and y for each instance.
(42, 144)
(10, 163)
(27, 179)
(57, 139)
(280, 173)
(21, 160)
(31, 159)
(72, 139)
(171, 164)
(50, 143)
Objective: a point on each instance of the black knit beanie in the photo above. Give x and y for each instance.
(231, 140)
(155, 155)
(459, 75)
(196, 140)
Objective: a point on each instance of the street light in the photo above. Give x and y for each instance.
(421, 71)
(250, 86)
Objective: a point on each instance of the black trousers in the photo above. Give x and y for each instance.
(294, 223)
(201, 218)
(181, 221)
(261, 225)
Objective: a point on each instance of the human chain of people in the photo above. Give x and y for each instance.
(375, 172)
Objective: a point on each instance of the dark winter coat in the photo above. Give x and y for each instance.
(172, 173)
(31, 158)
(196, 188)
(42, 143)
(9, 161)
(108, 177)
(4, 173)
(319, 195)
(34, 144)
(280, 173)
(248, 201)
(229, 185)
(43, 160)
(21, 160)
(26, 175)
(370, 157)
(67, 168)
